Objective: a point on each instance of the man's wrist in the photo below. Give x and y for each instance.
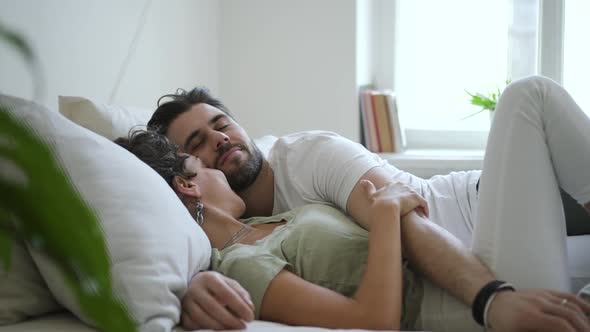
(484, 299)
(494, 313)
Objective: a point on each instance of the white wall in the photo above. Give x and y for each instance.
(290, 65)
(281, 66)
(82, 45)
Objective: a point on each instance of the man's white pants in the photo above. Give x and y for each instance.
(539, 141)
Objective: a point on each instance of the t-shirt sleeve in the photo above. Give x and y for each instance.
(327, 166)
(254, 272)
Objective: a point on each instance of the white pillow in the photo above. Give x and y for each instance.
(23, 293)
(265, 143)
(154, 244)
(110, 121)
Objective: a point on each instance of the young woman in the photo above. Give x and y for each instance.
(344, 276)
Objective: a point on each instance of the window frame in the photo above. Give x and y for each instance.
(550, 49)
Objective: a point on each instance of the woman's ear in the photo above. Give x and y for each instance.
(186, 187)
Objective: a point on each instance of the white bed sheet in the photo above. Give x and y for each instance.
(579, 265)
(64, 322)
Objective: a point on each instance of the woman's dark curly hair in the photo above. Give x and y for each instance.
(158, 152)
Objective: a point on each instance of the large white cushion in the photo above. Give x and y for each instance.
(110, 121)
(23, 293)
(154, 244)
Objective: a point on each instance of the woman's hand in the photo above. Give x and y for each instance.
(392, 198)
(539, 310)
(214, 301)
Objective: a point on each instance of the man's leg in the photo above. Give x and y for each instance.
(539, 141)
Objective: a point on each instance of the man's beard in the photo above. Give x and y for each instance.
(248, 171)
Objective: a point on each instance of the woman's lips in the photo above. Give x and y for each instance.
(226, 155)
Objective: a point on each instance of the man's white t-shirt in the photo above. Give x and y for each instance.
(323, 167)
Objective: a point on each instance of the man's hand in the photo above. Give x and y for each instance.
(539, 310)
(214, 301)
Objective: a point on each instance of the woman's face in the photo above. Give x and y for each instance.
(214, 188)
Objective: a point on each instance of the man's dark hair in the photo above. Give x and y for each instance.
(158, 152)
(180, 102)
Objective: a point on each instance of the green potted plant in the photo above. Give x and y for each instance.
(37, 213)
(487, 101)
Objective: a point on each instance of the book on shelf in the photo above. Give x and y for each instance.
(380, 126)
(396, 129)
(369, 129)
(383, 125)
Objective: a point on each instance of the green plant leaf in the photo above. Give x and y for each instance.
(48, 212)
(52, 218)
(5, 249)
(486, 102)
(473, 114)
(17, 42)
(20, 44)
(6, 234)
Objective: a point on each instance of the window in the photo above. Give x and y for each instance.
(437, 58)
(443, 48)
(576, 57)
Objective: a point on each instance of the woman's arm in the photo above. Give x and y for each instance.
(437, 254)
(377, 301)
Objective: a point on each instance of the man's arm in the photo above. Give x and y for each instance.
(443, 259)
(436, 253)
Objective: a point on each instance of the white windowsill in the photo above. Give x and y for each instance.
(428, 162)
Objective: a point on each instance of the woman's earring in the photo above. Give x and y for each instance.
(199, 213)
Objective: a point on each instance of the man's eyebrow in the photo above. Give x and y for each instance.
(216, 118)
(195, 133)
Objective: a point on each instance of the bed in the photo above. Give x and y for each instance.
(579, 263)
(111, 123)
(64, 322)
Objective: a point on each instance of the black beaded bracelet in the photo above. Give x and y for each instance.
(482, 297)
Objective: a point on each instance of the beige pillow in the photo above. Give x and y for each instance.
(114, 121)
(110, 121)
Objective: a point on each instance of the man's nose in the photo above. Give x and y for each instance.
(220, 139)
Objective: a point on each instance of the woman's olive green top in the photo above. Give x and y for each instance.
(318, 243)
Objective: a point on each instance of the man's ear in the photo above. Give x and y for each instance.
(186, 187)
